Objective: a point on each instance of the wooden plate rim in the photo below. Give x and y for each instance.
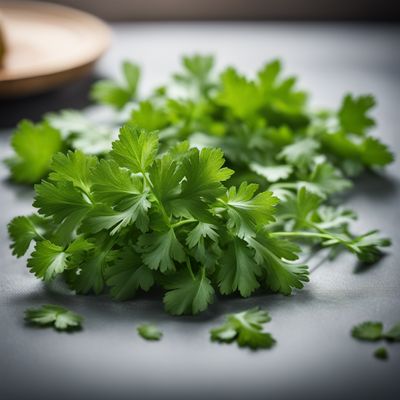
(102, 29)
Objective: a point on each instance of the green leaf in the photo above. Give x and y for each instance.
(113, 185)
(132, 76)
(246, 212)
(121, 200)
(149, 332)
(166, 178)
(65, 204)
(149, 117)
(368, 151)
(160, 250)
(23, 230)
(117, 95)
(238, 271)
(188, 294)
(300, 208)
(240, 95)
(246, 328)
(204, 240)
(301, 152)
(353, 114)
(127, 275)
(74, 167)
(50, 315)
(201, 231)
(371, 331)
(114, 220)
(81, 133)
(135, 149)
(381, 353)
(204, 173)
(110, 93)
(34, 147)
(198, 66)
(271, 254)
(60, 200)
(272, 173)
(375, 153)
(333, 217)
(48, 260)
(280, 95)
(325, 180)
(89, 277)
(197, 73)
(393, 333)
(68, 122)
(368, 247)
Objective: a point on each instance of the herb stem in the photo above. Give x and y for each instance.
(302, 234)
(183, 222)
(189, 267)
(162, 209)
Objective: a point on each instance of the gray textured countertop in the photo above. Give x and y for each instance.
(315, 357)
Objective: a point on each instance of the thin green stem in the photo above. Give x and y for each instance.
(302, 234)
(189, 267)
(183, 222)
(162, 209)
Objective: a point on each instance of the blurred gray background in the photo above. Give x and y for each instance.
(338, 10)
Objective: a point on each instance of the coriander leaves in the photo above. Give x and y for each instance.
(51, 315)
(139, 219)
(372, 332)
(246, 328)
(165, 208)
(111, 224)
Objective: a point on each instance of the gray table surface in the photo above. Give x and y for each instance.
(315, 356)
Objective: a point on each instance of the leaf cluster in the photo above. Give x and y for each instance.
(136, 219)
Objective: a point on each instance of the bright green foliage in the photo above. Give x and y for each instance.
(238, 94)
(161, 249)
(162, 208)
(58, 317)
(188, 294)
(127, 275)
(34, 147)
(281, 275)
(301, 152)
(371, 331)
(73, 167)
(48, 260)
(246, 328)
(115, 94)
(239, 271)
(353, 114)
(196, 74)
(23, 230)
(263, 125)
(122, 224)
(149, 332)
(149, 117)
(135, 150)
(246, 212)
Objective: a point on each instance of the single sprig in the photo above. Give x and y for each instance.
(245, 328)
(54, 316)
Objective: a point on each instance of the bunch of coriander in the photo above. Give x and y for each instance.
(161, 209)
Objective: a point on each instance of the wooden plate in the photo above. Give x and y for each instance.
(47, 45)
